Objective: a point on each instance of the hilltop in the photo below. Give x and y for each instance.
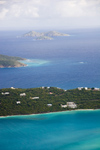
(44, 35)
(10, 61)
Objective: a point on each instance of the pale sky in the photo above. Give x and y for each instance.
(49, 14)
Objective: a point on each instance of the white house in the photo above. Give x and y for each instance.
(49, 105)
(86, 88)
(34, 97)
(71, 105)
(96, 89)
(12, 88)
(80, 88)
(23, 94)
(18, 102)
(6, 93)
(48, 87)
(63, 106)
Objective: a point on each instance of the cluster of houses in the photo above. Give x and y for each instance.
(86, 88)
(24, 94)
(5, 93)
(70, 105)
(80, 88)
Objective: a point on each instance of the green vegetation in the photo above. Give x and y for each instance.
(8, 61)
(85, 99)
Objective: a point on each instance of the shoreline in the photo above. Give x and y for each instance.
(11, 61)
(17, 66)
(48, 113)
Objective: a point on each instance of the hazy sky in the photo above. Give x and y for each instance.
(49, 14)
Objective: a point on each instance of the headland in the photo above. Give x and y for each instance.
(11, 62)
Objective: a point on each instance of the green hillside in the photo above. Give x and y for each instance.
(9, 61)
(41, 100)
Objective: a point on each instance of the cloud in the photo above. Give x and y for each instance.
(50, 12)
(51, 8)
(21, 9)
(2, 2)
(75, 8)
(3, 13)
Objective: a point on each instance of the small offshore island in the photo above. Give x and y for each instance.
(15, 101)
(10, 61)
(44, 35)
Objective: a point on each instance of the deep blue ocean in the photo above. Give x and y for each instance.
(65, 62)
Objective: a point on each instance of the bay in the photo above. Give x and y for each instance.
(69, 130)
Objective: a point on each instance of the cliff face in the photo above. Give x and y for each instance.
(8, 62)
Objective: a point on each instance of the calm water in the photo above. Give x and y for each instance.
(75, 130)
(67, 62)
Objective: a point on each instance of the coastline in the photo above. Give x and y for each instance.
(19, 65)
(49, 113)
(34, 62)
(11, 61)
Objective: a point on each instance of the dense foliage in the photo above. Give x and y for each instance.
(85, 99)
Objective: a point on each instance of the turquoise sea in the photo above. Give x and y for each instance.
(71, 130)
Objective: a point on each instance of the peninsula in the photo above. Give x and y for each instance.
(15, 101)
(10, 61)
(44, 35)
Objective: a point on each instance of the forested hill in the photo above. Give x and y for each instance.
(46, 99)
(10, 61)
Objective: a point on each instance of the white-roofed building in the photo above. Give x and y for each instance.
(63, 106)
(23, 94)
(18, 102)
(71, 105)
(49, 105)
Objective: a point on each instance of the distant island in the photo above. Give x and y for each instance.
(44, 35)
(15, 101)
(10, 61)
